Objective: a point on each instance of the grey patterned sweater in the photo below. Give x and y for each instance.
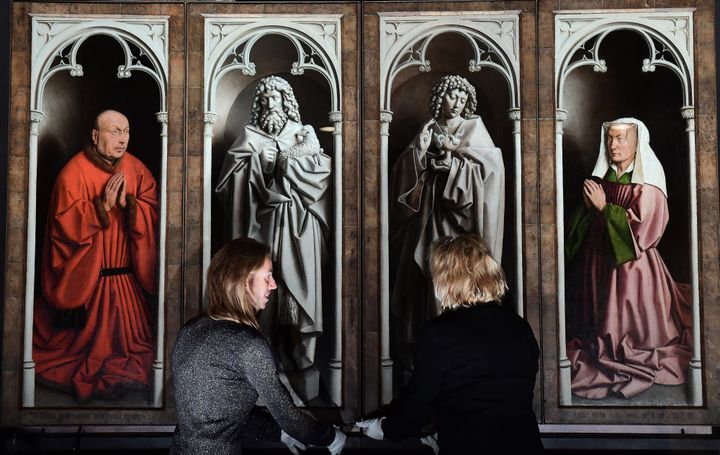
(219, 369)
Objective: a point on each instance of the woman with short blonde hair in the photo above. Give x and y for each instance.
(464, 273)
(475, 364)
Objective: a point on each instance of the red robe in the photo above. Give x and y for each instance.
(101, 264)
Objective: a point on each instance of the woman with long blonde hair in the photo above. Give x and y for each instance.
(475, 364)
(222, 364)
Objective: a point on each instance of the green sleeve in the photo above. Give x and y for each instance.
(576, 231)
(619, 233)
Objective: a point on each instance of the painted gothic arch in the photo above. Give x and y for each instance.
(55, 44)
(669, 39)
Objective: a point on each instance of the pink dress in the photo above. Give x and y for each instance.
(631, 320)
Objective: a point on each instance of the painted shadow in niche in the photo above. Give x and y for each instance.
(449, 54)
(274, 55)
(655, 98)
(87, 329)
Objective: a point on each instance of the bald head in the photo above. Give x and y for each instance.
(111, 135)
(106, 115)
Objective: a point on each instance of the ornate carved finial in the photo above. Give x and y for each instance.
(123, 72)
(249, 69)
(474, 66)
(648, 67)
(296, 70)
(76, 71)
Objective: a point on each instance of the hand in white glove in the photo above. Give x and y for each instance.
(292, 444)
(431, 441)
(372, 428)
(338, 443)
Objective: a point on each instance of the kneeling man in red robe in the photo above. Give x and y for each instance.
(99, 262)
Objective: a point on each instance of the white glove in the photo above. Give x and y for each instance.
(372, 428)
(338, 443)
(431, 441)
(292, 444)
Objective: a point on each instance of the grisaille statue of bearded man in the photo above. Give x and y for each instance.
(274, 185)
(449, 181)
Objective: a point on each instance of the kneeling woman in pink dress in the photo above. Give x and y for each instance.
(629, 321)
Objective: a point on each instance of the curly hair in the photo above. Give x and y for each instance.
(290, 104)
(447, 83)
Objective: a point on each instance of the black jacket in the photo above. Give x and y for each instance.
(476, 367)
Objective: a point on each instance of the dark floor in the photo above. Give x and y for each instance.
(358, 451)
(19, 442)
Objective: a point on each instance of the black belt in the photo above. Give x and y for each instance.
(116, 271)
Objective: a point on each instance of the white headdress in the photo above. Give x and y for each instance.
(647, 168)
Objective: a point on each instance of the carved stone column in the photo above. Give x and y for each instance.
(564, 362)
(695, 369)
(28, 393)
(159, 363)
(210, 118)
(336, 354)
(514, 115)
(386, 363)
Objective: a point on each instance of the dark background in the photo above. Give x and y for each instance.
(70, 105)
(625, 91)
(411, 92)
(272, 55)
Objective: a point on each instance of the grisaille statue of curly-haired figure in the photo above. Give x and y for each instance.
(449, 181)
(274, 186)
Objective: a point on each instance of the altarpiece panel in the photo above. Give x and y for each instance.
(544, 81)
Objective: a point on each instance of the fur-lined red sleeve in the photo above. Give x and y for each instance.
(130, 210)
(101, 212)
